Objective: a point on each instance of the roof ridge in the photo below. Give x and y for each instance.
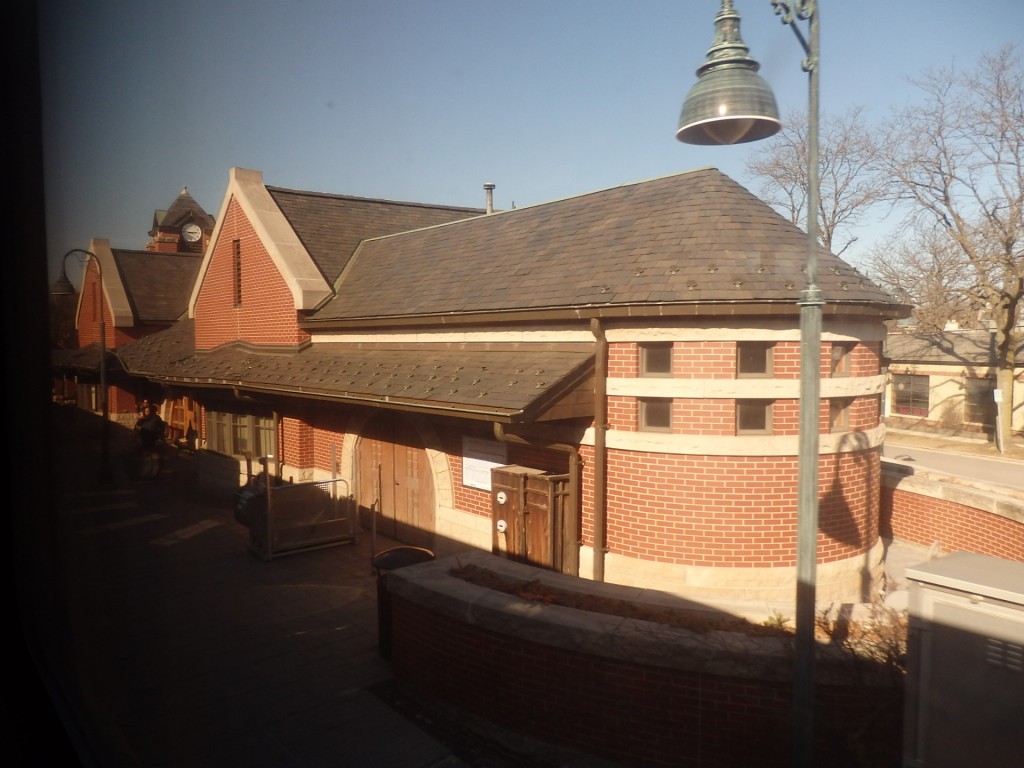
(145, 252)
(357, 198)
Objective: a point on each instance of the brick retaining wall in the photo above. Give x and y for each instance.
(636, 692)
(644, 694)
(958, 517)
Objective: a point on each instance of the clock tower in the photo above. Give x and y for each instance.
(183, 228)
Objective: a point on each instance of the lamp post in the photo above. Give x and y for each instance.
(85, 256)
(731, 104)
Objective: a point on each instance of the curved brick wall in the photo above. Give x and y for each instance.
(636, 692)
(951, 516)
(737, 512)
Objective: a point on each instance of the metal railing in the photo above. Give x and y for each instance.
(288, 518)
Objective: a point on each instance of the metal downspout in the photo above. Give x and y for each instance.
(600, 446)
(270, 481)
(278, 467)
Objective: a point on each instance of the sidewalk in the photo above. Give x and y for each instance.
(183, 649)
(1014, 448)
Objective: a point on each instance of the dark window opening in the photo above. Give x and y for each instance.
(753, 417)
(839, 413)
(655, 414)
(841, 354)
(754, 359)
(656, 359)
(979, 403)
(236, 255)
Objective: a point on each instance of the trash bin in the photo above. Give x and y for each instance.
(383, 562)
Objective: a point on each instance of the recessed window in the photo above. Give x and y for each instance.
(753, 417)
(841, 354)
(238, 434)
(754, 359)
(656, 359)
(655, 414)
(910, 394)
(839, 414)
(236, 260)
(979, 404)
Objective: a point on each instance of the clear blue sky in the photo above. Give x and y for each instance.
(427, 100)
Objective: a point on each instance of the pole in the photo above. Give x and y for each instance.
(710, 115)
(105, 473)
(810, 387)
(997, 396)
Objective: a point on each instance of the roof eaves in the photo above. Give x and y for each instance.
(598, 311)
(434, 407)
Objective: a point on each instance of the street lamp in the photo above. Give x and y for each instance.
(84, 256)
(731, 104)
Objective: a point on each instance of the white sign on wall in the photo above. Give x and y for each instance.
(479, 456)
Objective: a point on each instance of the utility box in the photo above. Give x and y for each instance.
(521, 513)
(535, 518)
(964, 700)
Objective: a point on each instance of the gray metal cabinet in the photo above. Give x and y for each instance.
(965, 682)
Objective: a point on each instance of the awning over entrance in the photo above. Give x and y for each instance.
(510, 383)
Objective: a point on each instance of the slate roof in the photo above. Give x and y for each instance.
(950, 347)
(85, 359)
(696, 238)
(331, 226)
(159, 285)
(510, 384)
(693, 243)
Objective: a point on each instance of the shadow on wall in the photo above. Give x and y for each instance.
(836, 516)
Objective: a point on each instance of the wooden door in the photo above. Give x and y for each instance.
(182, 418)
(394, 481)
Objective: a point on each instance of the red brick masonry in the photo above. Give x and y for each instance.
(636, 692)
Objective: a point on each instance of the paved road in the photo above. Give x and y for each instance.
(990, 470)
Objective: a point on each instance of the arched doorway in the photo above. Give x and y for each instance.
(395, 481)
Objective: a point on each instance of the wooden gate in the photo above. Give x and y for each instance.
(394, 481)
(182, 416)
(533, 518)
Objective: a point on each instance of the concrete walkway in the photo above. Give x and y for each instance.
(172, 645)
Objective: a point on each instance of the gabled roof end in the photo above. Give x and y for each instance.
(247, 175)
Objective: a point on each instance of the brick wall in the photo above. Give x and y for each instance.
(297, 443)
(634, 713)
(703, 360)
(985, 525)
(736, 511)
(329, 433)
(267, 313)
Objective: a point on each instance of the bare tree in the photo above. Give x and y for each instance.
(926, 270)
(848, 188)
(957, 160)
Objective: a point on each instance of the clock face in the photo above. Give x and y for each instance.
(191, 232)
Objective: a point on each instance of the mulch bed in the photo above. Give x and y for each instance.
(693, 620)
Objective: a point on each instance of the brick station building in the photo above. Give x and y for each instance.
(606, 385)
